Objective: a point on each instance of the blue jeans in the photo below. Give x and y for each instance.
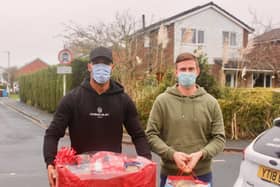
(205, 178)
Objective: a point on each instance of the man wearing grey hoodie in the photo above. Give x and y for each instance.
(185, 126)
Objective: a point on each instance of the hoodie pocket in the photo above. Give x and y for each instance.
(190, 147)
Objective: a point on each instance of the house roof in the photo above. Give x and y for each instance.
(173, 19)
(32, 67)
(272, 35)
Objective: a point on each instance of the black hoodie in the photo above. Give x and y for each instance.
(95, 122)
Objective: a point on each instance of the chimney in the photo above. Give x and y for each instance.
(143, 21)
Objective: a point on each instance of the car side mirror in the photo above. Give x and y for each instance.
(276, 122)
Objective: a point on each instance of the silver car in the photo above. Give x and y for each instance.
(261, 164)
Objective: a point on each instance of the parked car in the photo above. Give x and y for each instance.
(260, 166)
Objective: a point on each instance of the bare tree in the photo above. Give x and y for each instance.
(259, 24)
(125, 36)
(80, 39)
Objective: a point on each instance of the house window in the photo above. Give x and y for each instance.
(200, 36)
(229, 38)
(262, 80)
(230, 80)
(268, 82)
(232, 39)
(192, 36)
(146, 41)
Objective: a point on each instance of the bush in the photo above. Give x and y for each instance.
(79, 72)
(149, 89)
(41, 89)
(248, 112)
(206, 80)
(44, 88)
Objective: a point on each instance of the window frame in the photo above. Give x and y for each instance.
(266, 78)
(229, 35)
(195, 36)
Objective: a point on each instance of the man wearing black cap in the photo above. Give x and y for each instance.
(94, 113)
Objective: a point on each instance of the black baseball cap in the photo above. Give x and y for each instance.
(101, 52)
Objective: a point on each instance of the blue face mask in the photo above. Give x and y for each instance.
(101, 73)
(186, 79)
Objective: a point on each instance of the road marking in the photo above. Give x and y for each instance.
(219, 160)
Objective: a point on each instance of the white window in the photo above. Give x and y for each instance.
(192, 36)
(232, 39)
(200, 36)
(146, 41)
(229, 38)
(262, 80)
(230, 80)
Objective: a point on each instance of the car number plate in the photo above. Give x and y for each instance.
(269, 174)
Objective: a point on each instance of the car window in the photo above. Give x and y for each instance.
(269, 143)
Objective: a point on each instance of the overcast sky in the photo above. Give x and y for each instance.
(30, 28)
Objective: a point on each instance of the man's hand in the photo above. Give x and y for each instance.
(181, 159)
(51, 175)
(194, 158)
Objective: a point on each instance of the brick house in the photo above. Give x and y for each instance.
(206, 27)
(261, 65)
(32, 67)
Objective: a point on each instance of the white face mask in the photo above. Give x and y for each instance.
(101, 73)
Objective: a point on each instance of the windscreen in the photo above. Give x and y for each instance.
(269, 143)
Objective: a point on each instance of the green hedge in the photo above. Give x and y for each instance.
(44, 88)
(248, 112)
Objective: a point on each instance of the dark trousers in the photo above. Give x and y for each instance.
(205, 178)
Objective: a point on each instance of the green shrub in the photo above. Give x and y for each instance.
(44, 89)
(248, 112)
(149, 89)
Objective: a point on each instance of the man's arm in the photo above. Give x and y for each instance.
(56, 130)
(134, 129)
(153, 132)
(217, 142)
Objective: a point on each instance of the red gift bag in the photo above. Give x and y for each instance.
(106, 169)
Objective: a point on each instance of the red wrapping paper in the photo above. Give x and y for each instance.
(105, 169)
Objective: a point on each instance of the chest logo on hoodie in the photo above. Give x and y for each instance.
(99, 113)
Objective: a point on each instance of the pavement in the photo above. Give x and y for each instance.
(43, 119)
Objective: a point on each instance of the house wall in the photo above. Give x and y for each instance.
(245, 38)
(213, 23)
